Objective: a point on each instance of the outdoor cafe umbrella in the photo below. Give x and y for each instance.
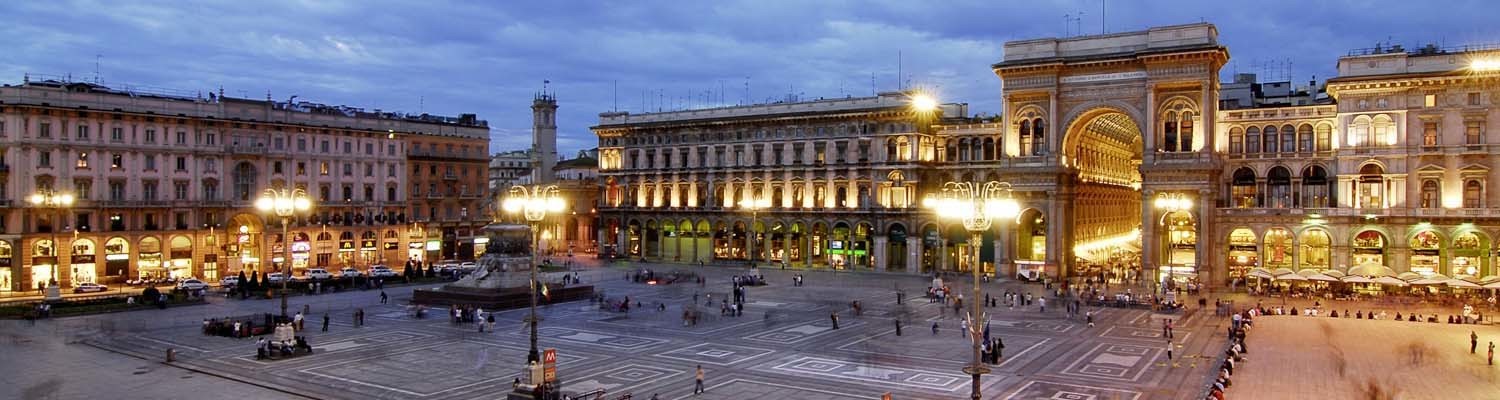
(1261, 273)
(1460, 283)
(1292, 277)
(1334, 273)
(1408, 276)
(1435, 279)
(1322, 278)
(1492, 285)
(1357, 279)
(1282, 271)
(1387, 280)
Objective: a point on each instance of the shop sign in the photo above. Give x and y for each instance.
(44, 260)
(116, 257)
(278, 248)
(367, 244)
(392, 245)
(1368, 251)
(301, 247)
(414, 245)
(434, 245)
(83, 258)
(208, 258)
(1425, 252)
(182, 254)
(347, 245)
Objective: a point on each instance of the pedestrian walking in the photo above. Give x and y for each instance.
(1042, 302)
(1166, 328)
(1491, 358)
(1473, 342)
(934, 329)
(698, 386)
(898, 327)
(964, 328)
(1090, 318)
(297, 321)
(1169, 349)
(835, 317)
(999, 349)
(325, 322)
(383, 297)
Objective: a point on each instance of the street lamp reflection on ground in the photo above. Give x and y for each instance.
(976, 205)
(754, 205)
(284, 203)
(534, 204)
(57, 202)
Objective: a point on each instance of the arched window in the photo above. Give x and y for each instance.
(1288, 139)
(1316, 187)
(1242, 188)
(976, 150)
(1371, 186)
(1252, 140)
(891, 154)
(1431, 198)
(1177, 127)
(1473, 194)
(1038, 136)
(1169, 131)
(1236, 141)
(903, 148)
(989, 148)
(1382, 131)
(1305, 138)
(1279, 183)
(963, 149)
(1324, 138)
(1270, 140)
(1026, 139)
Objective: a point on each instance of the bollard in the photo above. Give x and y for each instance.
(171, 355)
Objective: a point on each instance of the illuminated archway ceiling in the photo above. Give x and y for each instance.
(1119, 129)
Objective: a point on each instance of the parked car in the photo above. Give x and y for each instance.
(381, 271)
(350, 272)
(275, 277)
(231, 281)
(192, 284)
(318, 274)
(89, 287)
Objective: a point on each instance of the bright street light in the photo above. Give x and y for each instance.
(533, 204)
(923, 103)
(976, 205)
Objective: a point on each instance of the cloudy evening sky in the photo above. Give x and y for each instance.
(490, 57)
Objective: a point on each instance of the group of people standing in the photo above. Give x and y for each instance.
(471, 315)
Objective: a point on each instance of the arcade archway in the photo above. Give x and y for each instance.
(1103, 150)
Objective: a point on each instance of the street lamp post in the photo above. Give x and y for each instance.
(976, 205)
(55, 201)
(211, 226)
(284, 203)
(533, 204)
(755, 204)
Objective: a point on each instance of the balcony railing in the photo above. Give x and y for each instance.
(420, 152)
(248, 149)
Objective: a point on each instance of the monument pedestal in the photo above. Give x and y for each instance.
(54, 294)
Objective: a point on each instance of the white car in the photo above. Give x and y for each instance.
(192, 284)
(89, 287)
(380, 271)
(318, 274)
(230, 281)
(275, 277)
(349, 272)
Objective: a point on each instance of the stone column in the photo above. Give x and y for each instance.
(913, 254)
(878, 255)
(1150, 246)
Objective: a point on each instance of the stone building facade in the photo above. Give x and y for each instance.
(165, 183)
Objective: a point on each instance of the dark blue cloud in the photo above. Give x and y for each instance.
(451, 57)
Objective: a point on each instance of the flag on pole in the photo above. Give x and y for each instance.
(545, 293)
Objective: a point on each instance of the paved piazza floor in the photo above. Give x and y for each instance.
(784, 347)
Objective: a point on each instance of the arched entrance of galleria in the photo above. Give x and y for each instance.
(1128, 182)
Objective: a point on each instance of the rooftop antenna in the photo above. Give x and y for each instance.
(421, 104)
(899, 75)
(616, 96)
(96, 68)
(1101, 17)
(747, 90)
(873, 92)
